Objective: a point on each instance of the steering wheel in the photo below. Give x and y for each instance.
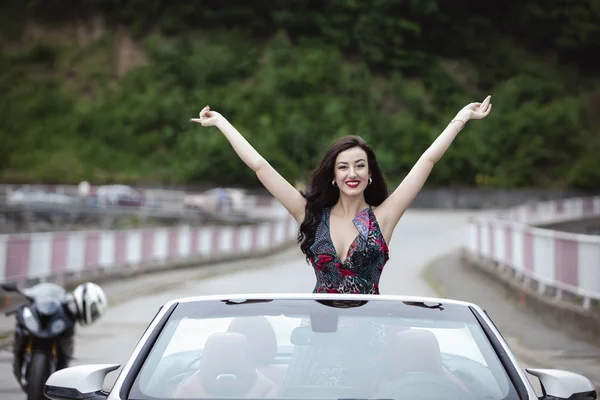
(423, 386)
(167, 388)
(189, 370)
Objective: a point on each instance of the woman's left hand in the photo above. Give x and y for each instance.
(475, 110)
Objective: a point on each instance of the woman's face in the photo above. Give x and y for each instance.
(351, 171)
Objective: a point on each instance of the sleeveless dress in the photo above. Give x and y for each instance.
(334, 364)
(359, 273)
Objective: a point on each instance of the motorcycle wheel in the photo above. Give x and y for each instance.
(37, 375)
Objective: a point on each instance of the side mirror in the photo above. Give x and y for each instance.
(558, 384)
(9, 286)
(79, 383)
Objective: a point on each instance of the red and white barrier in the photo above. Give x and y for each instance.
(565, 261)
(52, 254)
(554, 211)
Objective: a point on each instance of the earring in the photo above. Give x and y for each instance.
(333, 182)
(370, 180)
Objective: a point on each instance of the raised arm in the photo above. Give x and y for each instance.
(281, 189)
(392, 209)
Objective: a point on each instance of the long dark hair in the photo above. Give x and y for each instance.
(321, 194)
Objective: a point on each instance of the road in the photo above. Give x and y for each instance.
(420, 237)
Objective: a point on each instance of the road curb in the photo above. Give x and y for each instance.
(204, 268)
(581, 324)
(434, 272)
(520, 351)
(557, 314)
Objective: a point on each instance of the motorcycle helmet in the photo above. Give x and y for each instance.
(90, 301)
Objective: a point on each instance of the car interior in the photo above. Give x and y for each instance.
(244, 362)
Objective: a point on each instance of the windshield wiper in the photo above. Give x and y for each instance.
(423, 305)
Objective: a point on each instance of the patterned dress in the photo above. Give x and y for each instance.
(335, 364)
(359, 273)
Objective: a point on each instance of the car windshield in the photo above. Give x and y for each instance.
(322, 349)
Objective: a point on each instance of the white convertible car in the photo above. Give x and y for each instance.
(318, 346)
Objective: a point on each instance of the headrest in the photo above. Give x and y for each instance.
(415, 350)
(227, 366)
(261, 335)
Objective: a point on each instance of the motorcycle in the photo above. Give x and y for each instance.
(43, 338)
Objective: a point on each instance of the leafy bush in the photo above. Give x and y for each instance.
(292, 77)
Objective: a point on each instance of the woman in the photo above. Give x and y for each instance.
(341, 234)
(344, 237)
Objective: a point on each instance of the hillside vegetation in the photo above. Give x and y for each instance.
(104, 91)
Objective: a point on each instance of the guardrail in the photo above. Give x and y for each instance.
(558, 263)
(56, 255)
(554, 211)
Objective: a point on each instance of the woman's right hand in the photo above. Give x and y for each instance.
(208, 117)
(281, 189)
(475, 110)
